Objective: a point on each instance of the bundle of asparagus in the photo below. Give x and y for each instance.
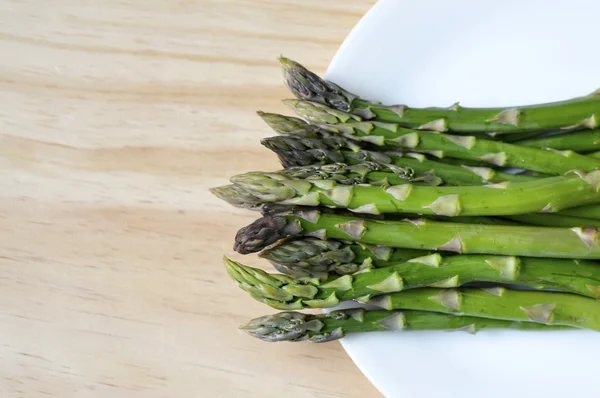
(412, 211)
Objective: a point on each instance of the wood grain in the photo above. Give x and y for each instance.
(115, 119)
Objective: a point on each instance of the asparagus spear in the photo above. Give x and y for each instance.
(286, 293)
(420, 234)
(547, 308)
(583, 112)
(305, 144)
(545, 195)
(316, 258)
(321, 328)
(300, 151)
(462, 147)
(584, 141)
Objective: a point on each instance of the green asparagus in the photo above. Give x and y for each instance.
(543, 195)
(554, 220)
(532, 241)
(548, 308)
(315, 258)
(594, 154)
(441, 145)
(321, 328)
(305, 144)
(286, 293)
(583, 141)
(583, 112)
(299, 151)
(433, 155)
(589, 211)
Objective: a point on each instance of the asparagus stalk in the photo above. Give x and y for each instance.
(545, 195)
(286, 293)
(583, 112)
(518, 174)
(589, 211)
(548, 308)
(321, 328)
(554, 220)
(584, 141)
(594, 154)
(440, 145)
(513, 137)
(420, 234)
(539, 219)
(458, 219)
(316, 258)
(434, 155)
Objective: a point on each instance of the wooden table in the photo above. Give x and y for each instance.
(115, 119)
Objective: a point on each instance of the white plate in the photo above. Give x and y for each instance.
(483, 53)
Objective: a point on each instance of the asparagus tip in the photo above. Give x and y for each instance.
(284, 326)
(306, 85)
(291, 102)
(286, 125)
(294, 70)
(224, 192)
(236, 196)
(292, 151)
(318, 112)
(240, 273)
(260, 234)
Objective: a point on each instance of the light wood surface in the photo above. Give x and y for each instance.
(115, 118)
